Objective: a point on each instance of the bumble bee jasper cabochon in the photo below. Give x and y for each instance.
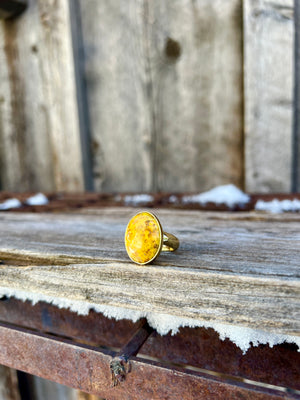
(143, 238)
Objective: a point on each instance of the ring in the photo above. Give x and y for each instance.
(145, 239)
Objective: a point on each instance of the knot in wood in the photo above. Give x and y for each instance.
(172, 49)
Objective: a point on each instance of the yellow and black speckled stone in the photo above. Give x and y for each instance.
(143, 238)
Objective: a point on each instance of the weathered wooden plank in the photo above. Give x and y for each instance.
(82, 103)
(8, 384)
(268, 304)
(268, 46)
(39, 129)
(242, 271)
(238, 244)
(195, 62)
(117, 84)
(296, 109)
(165, 93)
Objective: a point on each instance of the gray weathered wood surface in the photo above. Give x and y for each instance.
(296, 119)
(8, 384)
(159, 92)
(165, 93)
(241, 269)
(268, 65)
(39, 130)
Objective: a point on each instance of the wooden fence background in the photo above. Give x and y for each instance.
(162, 95)
(140, 95)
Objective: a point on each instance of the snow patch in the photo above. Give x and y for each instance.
(10, 203)
(163, 323)
(225, 194)
(137, 199)
(38, 199)
(173, 199)
(277, 206)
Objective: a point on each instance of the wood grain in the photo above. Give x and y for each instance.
(238, 270)
(268, 44)
(117, 83)
(165, 93)
(164, 96)
(245, 244)
(39, 129)
(195, 61)
(296, 101)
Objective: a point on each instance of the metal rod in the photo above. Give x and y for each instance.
(120, 364)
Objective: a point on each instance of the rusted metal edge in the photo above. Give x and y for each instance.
(88, 369)
(197, 347)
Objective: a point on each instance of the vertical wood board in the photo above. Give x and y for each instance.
(39, 130)
(117, 84)
(268, 46)
(164, 81)
(196, 69)
(296, 116)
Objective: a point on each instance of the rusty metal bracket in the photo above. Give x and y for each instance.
(87, 368)
(196, 347)
(120, 364)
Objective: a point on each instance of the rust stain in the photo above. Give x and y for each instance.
(196, 347)
(55, 358)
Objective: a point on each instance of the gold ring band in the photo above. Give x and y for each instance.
(145, 239)
(170, 242)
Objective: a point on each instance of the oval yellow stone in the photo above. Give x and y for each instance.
(143, 238)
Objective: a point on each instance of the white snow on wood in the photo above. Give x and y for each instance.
(10, 203)
(173, 199)
(277, 206)
(163, 323)
(37, 200)
(229, 195)
(137, 199)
